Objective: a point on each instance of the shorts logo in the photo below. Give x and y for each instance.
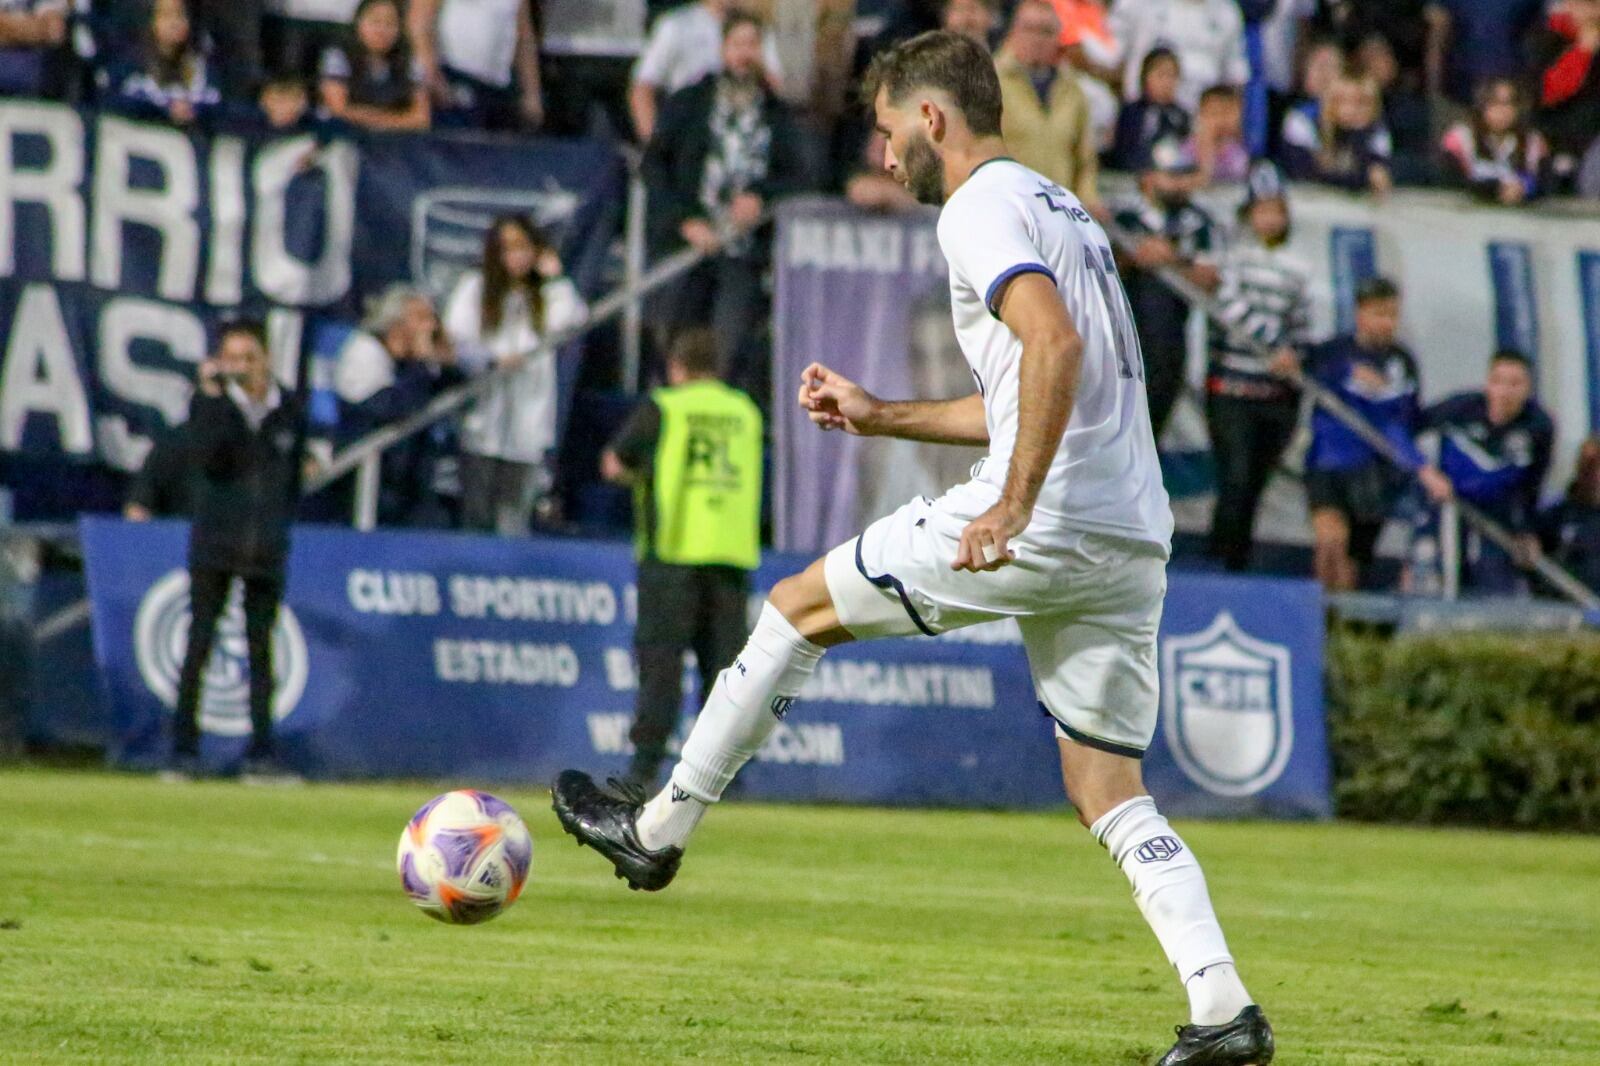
(161, 636)
(781, 705)
(1227, 710)
(1158, 849)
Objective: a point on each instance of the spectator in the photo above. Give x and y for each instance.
(698, 536)
(586, 52)
(391, 371)
(1569, 93)
(501, 314)
(1218, 142)
(33, 36)
(1483, 39)
(1341, 141)
(245, 438)
(285, 105)
(1415, 29)
(480, 61)
(1173, 232)
(171, 76)
(685, 47)
(1351, 490)
(1570, 531)
(1320, 67)
(1092, 51)
(297, 33)
(1490, 448)
(1206, 35)
(1406, 113)
(1282, 34)
(371, 80)
(1046, 117)
(1498, 155)
(1155, 117)
(726, 148)
(970, 18)
(1262, 321)
(165, 485)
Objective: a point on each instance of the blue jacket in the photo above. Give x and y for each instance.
(1498, 468)
(1393, 410)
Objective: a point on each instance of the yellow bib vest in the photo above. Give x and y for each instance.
(706, 488)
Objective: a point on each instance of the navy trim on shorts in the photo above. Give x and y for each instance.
(1096, 743)
(1009, 273)
(888, 581)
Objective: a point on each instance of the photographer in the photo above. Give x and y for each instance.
(244, 438)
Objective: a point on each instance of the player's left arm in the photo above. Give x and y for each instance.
(1052, 356)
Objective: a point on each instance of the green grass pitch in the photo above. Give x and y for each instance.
(142, 922)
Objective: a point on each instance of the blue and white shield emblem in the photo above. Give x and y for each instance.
(1227, 707)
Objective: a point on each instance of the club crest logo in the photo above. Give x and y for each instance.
(781, 705)
(161, 636)
(1158, 849)
(1226, 707)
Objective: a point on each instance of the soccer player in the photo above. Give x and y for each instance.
(1065, 527)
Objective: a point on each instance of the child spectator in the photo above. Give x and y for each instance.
(1341, 141)
(1218, 142)
(284, 103)
(1349, 488)
(1155, 116)
(371, 79)
(1498, 154)
(170, 76)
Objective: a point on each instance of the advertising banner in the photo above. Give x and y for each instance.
(474, 659)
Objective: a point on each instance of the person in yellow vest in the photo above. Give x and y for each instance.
(1045, 116)
(692, 453)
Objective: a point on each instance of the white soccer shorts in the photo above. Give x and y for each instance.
(1088, 606)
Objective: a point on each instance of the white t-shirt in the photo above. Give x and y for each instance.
(686, 45)
(340, 11)
(478, 38)
(1207, 35)
(1007, 220)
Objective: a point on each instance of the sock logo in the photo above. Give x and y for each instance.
(678, 794)
(781, 705)
(1158, 849)
(738, 664)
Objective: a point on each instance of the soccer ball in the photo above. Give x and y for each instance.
(464, 857)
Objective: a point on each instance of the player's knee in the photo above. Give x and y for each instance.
(803, 599)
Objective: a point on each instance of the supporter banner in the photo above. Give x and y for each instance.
(467, 658)
(123, 242)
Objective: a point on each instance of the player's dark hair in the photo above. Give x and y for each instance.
(1374, 289)
(695, 353)
(1512, 355)
(739, 18)
(940, 60)
(253, 328)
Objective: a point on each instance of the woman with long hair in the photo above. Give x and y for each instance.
(372, 79)
(1342, 141)
(170, 76)
(1498, 154)
(498, 316)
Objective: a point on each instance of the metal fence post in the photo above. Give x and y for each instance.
(1449, 550)
(633, 270)
(367, 480)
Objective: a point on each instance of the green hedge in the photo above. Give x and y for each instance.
(1467, 729)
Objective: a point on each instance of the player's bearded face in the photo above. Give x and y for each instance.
(924, 172)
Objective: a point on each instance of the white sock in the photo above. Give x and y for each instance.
(1171, 892)
(748, 700)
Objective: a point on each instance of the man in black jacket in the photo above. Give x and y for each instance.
(723, 150)
(244, 438)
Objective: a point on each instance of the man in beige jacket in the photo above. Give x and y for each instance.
(1046, 116)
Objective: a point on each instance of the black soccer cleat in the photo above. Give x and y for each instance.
(608, 823)
(1245, 1041)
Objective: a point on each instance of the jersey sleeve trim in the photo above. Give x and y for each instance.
(1006, 275)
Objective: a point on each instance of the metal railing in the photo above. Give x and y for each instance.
(1554, 575)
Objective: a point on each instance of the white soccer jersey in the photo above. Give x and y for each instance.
(1007, 220)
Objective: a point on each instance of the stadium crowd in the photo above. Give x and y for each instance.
(1499, 98)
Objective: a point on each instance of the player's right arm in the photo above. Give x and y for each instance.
(833, 401)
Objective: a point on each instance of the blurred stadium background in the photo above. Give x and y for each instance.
(155, 188)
